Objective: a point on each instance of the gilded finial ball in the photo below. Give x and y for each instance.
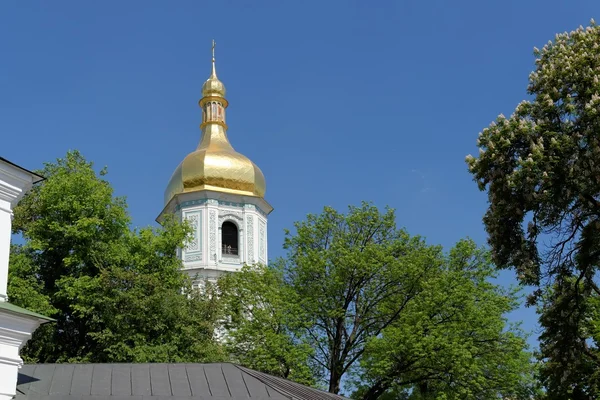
(213, 87)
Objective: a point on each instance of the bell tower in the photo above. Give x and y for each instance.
(220, 192)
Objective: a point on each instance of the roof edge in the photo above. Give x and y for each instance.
(39, 177)
(23, 312)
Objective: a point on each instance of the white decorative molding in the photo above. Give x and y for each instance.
(250, 236)
(194, 243)
(214, 199)
(193, 249)
(193, 257)
(261, 241)
(212, 233)
(252, 231)
(228, 259)
(230, 215)
(15, 182)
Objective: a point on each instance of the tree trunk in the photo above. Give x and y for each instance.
(375, 391)
(336, 358)
(334, 380)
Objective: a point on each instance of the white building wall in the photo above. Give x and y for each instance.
(203, 257)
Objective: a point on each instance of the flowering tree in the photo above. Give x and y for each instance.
(541, 169)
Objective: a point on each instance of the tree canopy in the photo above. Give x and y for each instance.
(383, 311)
(116, 293)
(261, 312)
(541, 170)
(355, 301)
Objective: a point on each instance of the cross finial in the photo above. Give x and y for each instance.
(214, 70)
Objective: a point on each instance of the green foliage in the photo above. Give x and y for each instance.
(117, 295)
(452, 341)
(571, 321)
(353, 275)
(261, 327)
(355, 299)
(380, 309)
(541, 169)
(545, 161)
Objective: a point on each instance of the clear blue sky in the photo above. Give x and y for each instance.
(336, 101)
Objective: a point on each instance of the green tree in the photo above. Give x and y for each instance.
(452, 341)
(262, 334)
(344, 269)
(382, 309)
(116, 294)
(541, 169)
(570, 319)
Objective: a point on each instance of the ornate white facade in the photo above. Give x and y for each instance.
(210, 253)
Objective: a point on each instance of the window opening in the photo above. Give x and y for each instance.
(229, 239)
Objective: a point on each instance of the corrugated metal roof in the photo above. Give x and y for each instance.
(156, 381)
(291, 389)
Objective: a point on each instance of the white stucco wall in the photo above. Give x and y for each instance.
(203, 256)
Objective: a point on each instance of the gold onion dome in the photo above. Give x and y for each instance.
(213, 86)
(215, 165)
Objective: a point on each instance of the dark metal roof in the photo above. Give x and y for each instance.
(156, 382)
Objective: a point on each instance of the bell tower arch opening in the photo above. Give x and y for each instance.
(229, 239)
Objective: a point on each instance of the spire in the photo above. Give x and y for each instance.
(213, 87)
(213, 102)
(214, 70)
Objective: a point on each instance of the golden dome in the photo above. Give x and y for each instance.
(213, 86)
(215, 165)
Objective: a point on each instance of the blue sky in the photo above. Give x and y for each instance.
(336, 101)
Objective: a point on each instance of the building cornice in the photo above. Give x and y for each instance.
(15, 181)
(201, 197)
